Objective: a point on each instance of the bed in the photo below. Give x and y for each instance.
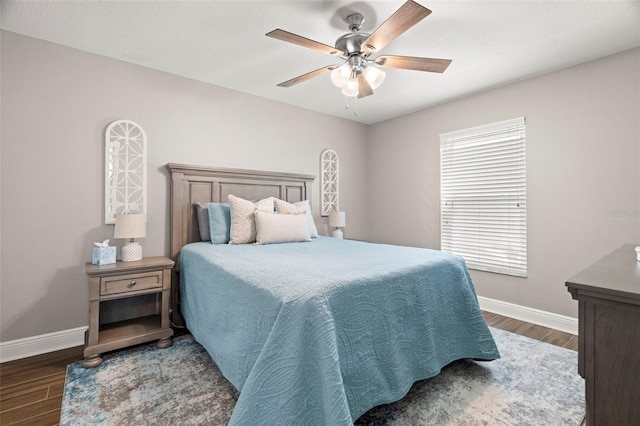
(316, 332)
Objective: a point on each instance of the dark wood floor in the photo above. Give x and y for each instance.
(31, 388)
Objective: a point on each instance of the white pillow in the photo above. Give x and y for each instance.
(281, 228)
(243, 223)
(298, 208)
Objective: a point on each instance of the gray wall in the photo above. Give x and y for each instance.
(583, 173)
(583, 162)
(56, 104)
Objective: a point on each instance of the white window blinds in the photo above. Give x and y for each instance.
(483, 196)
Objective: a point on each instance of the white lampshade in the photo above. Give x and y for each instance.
(340, 75)
(337, 219)
(130, 226)
(374, 77)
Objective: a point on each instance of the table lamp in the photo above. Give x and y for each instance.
(337, 220)
(131, 225)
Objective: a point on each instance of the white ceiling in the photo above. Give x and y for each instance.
(491, 43)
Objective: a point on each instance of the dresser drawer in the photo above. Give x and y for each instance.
(129, 283)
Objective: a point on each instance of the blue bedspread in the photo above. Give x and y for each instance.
(318, 333)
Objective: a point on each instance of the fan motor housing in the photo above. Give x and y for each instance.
(350, 43)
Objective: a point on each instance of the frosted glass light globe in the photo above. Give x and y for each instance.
(351, 88)
(340, 75)
(374, 77)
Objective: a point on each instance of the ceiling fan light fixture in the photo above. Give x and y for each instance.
(374, 77)
(340, 75)
(360, 76)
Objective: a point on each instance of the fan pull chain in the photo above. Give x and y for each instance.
(355, 104)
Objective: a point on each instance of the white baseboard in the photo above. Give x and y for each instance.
(524, 313)
(36, 345)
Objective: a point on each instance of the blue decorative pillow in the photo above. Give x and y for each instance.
(216, 217)
(219, 223)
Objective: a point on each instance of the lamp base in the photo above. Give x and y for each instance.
(132, 252)
(337, 233)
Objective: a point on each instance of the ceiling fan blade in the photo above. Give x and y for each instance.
(404, 18)
(304, 42)
(412, 63)
(364, 89)
(307, 76)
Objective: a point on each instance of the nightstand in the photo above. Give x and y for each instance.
(128, 305)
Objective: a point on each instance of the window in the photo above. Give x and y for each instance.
(483, 196)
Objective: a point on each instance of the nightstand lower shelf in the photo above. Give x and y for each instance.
(128, 333)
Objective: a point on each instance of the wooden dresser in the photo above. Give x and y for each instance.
(608, 293)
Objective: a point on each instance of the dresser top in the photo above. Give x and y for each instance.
(618, 273)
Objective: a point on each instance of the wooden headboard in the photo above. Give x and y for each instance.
(191, 184)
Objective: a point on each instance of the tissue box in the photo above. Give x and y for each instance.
(103, 255)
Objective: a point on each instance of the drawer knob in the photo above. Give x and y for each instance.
(132, 283)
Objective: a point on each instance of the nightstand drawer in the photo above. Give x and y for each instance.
(132, 282)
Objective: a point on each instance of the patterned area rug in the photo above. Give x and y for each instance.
(533, 383)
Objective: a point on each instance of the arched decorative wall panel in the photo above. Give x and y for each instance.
(125, 169)
(329, 182)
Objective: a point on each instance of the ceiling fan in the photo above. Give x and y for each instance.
(359, 76)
